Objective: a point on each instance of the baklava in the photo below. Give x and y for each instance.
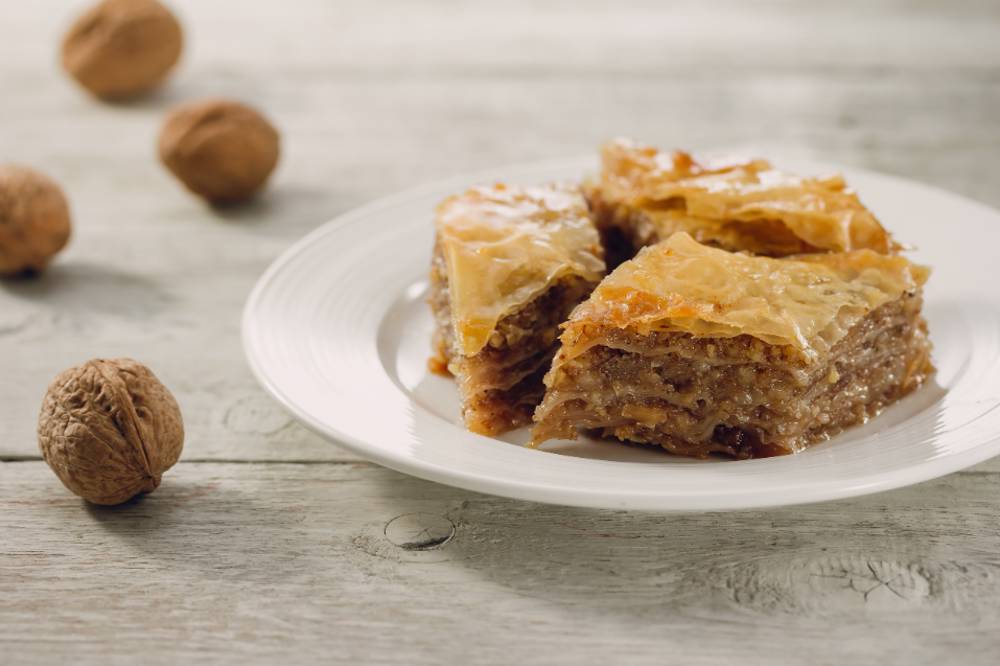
(642, 196)
(704, 351)
(509, 265)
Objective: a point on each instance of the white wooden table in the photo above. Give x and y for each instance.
(266, 543)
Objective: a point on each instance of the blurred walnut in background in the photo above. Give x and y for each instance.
(34, 220)
(122, 48)
(221, 150)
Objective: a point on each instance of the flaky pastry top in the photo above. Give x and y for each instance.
(807, 303)
(749, 195)
(504, 245)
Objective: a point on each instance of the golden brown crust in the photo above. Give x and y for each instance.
(504, 245)
(806, 303)
(739, 204)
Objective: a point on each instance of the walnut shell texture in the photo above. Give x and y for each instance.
(34, 220)
(221, 150)
(109, 430)
(122, 48)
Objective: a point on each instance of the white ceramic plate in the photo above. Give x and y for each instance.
(338, 331)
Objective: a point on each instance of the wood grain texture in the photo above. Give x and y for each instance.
(383, 96)
(279, 546)
(355, 564)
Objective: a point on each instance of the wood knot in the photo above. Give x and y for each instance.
(831, 584)
(414, 538)
(869, 581)
(419, 531)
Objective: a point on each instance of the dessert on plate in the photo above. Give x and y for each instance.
(642, 196)
(700, 350)
(509, 265)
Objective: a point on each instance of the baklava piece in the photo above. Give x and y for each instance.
(509, 265)
(642, 196)
(701, 351)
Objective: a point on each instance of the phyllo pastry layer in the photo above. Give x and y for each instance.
(509, 265)
(701, 351)
(642, 196)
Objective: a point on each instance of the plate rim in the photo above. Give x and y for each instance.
(808, 493)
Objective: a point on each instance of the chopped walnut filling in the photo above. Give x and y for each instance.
(737, 396)
(502, 384)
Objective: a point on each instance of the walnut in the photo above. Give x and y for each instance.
(121, 48)
(34, 220)
(221, 150)
(109, 430)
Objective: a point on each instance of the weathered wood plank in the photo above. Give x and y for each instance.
(349, 562)
(235, 563)
(588, 34)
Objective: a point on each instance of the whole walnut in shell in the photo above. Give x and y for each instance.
(121, 48)
(34, 220)
(109, 430)
(221, 150)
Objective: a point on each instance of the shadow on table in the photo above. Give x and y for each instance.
(208, 529)
(283, 205)
(72, 287)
